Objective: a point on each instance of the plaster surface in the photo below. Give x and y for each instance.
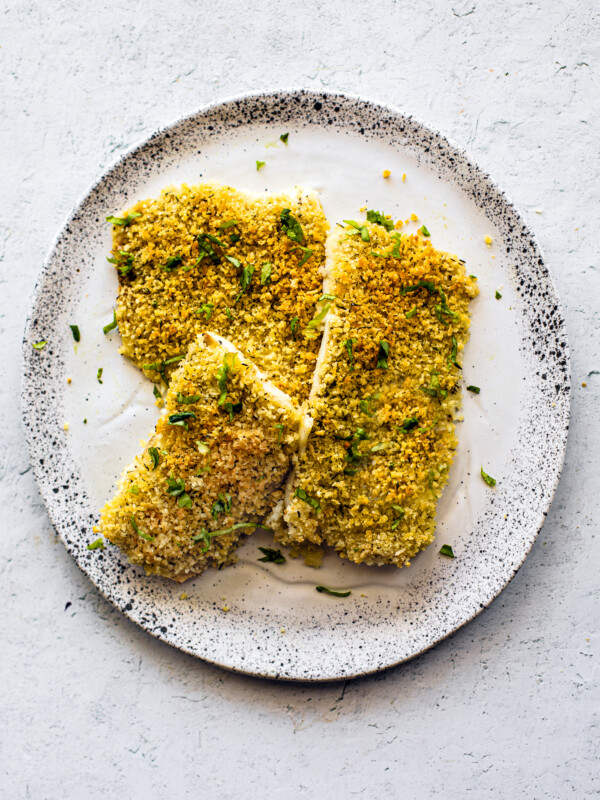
(507, 707)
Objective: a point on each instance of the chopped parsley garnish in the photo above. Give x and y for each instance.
(294, 327)
(271, 556)
(474, 389)
(123, 260)
(383, 355)
(301, 495)
(352, 453)
(434, 389)
(229, 314)
(452, 359)
(307, 254)
(206, 309)
(265, 273)
(424, 230)
(446, 550)
(75, 332)
(172, 263)
(235, 261)
(134, 489)
(498, 295)
(400, 512)
(97, 545)
(357, 228)
(139, 532)
(205, 248)
(334, 592)
(260, 165)
(203, 448)
(228, 224)
(185, 501)
(349, 345)
(327, 297)
(279, 429)
(231, 409)
(159, 366)
(222, 505)
(111, 325)
(214, 240)
(124, 221)
(175, 486)
(229, 365)
(284, 137)
(39, 345)
(99, 374)
(182, 419)
(291, 226)
(245, 280)
(234, 238)
(189, 400)
(365, 404)
(380, 219)
(488, 478)
(408, 424)
(410, 314)
(319, 317)
(154, 455)
(207, 536)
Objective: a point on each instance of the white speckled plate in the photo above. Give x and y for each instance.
(276, 624)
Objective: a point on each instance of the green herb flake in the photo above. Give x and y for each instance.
(172, 263)
(446, 550)
(349, 345)
(408, 424)
(260, 165)
(155, 457)
(498, 295)
(474, 389)
(320, 316)
(184, 501)
(488, 478)
(122, 222)
(271, 556)
(231, 409)
(75, 332)
(234, 238)
(39, 345)
(294, 327)
(111, 325)
(156, 393)
(284, 137)
(134, 489)
(189, 400)
(235, 261)
(123, 261)
(301, 495)
(453, 354)
(175, 486)
(410, 314)
(207, 536)
(380, 219)
(222, 505)
(139, 532)
(181, 419)
(206, 309)
(99, 374)
(307, 254)
(333, 592)
(279, 428)
(265, 273)
(291, 227)
(97, 545)
(245, 280)
(424, 230)
(383, 355)
(228, 224)
(203, 448)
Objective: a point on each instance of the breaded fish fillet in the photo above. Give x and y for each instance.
(213, 469)
(209, 257)
(386, 390)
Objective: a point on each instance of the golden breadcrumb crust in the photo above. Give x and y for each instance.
(386, 391)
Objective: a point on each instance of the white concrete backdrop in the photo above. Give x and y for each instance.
(91, 707)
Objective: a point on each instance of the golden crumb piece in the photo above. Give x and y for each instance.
(384, 399)
(387, 173)
(404, 177)
(223, 427)
(584, 384)
(487, 240)
(282, 630)
(68, 380)
(66, 426)
(414, 217)
(225, 608)
(183, 596)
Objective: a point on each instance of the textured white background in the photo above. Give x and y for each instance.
(91, 706)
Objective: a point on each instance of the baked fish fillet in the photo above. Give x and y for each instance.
(208, 257)
(385, 395)
(213, 469)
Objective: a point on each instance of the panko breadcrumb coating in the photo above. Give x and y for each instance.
(387, 388)
(209, 257)
(213, 469)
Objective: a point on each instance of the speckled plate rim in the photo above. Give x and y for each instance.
(553, 326)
